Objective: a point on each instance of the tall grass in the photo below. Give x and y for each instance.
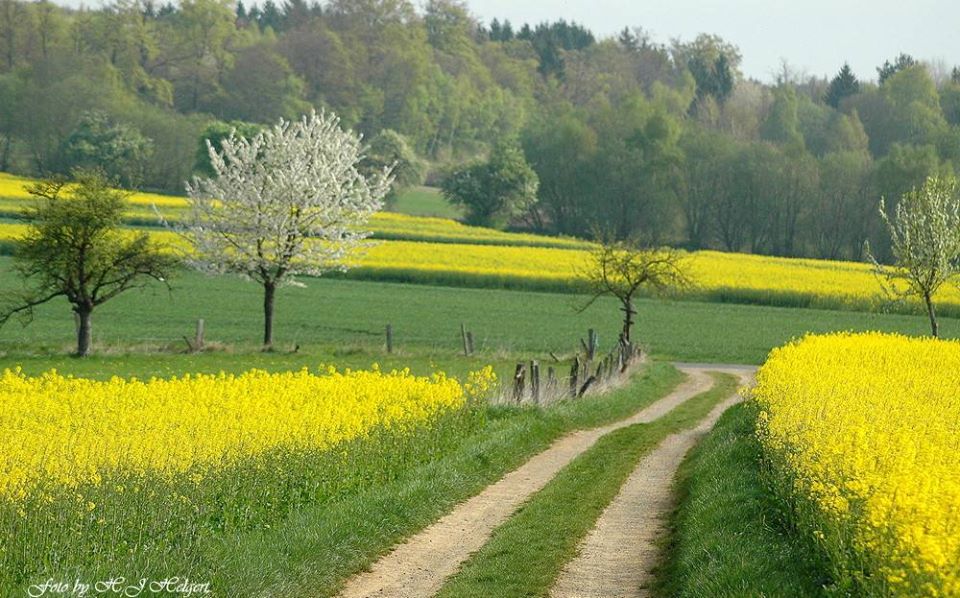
(112, 500)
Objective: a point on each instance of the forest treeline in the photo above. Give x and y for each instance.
(667, 141)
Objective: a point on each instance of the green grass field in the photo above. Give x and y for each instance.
(342, 322)
(425, 201)
(345, 320)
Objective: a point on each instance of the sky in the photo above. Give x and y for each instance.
(813, 36)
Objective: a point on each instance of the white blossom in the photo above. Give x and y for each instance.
(925, 242)
(289, 201)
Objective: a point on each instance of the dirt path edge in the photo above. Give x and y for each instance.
(418, 567)
(617, 556)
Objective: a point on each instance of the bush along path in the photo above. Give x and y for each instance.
(421, 565)
(616, 558)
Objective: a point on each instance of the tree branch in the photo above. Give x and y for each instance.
(26, 307)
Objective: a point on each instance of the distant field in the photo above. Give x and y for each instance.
(439, 251)
(342, 322)
(719, 277)
(426, 201)
(406, 221)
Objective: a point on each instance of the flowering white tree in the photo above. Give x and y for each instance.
(925, 241)
(289, 201)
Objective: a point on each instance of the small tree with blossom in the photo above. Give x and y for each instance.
(925, 242)
(289, 201)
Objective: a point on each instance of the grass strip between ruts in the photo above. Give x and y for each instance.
(526, 554)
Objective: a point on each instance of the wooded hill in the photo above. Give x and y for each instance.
(627, 134)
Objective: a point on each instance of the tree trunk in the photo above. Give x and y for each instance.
(628, 313)
(5, 153)
(269, 291)
(84, 331)
(932, 312)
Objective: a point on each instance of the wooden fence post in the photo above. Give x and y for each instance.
(574, 376)
(551, 381)
(627, 353)
(593, 343)
(463, 336)
(535, 381)
(586, 385)
(518, 382)
(389, 338)
(198, 339)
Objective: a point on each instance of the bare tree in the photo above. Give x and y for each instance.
(289, 201)
(625, 268)
(925, 242)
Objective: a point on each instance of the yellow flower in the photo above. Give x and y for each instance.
(64, 432)
(861, 431)
(445, 248)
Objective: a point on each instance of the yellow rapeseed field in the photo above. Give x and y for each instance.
(14, 187)
(863, 435)
(390, 225)
(717, 276)
(438, 250)
(63, 432)
(384, 225)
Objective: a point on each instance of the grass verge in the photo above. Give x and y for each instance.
(342, 322)
(526, 554)
(315, 549)
(729, 538)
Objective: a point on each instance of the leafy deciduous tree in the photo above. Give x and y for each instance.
(117, 148)
(782, 125)
(74, 248)
(495, 191)
(561, 150)
(261, 87)
(624, 268)
(390, 150)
